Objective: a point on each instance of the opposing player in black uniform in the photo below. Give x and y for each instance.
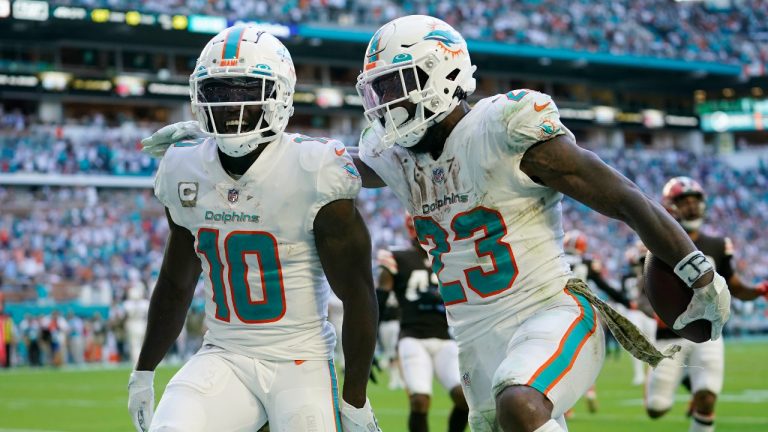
(389, 326)
(635, 259)
(587, 268)
(425, 347)
(702, 363)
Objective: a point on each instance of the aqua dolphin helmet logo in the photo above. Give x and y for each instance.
(447, 37)
(449, 41)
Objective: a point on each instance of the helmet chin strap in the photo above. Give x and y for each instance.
(692, 225)
(238, 146)
(397, 117)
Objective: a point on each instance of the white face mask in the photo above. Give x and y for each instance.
(692, 225)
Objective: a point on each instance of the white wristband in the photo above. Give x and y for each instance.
(692, 267)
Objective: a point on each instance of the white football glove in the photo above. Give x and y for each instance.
(141, 399)
(711, 302)
(358, 419)
(158, 143)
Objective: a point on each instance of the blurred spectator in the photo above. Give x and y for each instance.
(76, 338)
(29, 327)
(7, 335)
(54, 330)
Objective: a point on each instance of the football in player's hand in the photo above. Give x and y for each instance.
(669, 297)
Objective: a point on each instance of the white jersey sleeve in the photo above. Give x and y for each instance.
(337, 178)
(161, 182)
(531, 117)
(165, 190)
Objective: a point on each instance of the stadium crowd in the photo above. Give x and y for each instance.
(51, 150)
(737, 33)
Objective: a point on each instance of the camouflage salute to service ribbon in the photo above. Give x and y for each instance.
(626, 333)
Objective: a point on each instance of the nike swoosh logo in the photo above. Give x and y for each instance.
(340, 151)
(538, 107)
(299, 362)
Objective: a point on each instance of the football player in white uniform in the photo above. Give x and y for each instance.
(484, 185)
(702, 363)
(261, 213)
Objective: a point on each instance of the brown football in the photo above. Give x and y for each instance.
(669, 297)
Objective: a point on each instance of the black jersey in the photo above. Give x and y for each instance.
(422, 312)
(390, 310)
(589, 270)
(719, 251)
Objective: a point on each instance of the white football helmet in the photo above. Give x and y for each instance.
(242, 89)
(417, 59)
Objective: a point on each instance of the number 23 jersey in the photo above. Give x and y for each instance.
(494, 236)
(264, 290)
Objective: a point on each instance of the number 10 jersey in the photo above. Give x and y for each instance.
(265, 295)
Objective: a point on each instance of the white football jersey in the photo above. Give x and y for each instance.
(494, 236)
(265, 292)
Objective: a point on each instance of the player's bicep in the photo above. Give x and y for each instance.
(344, 247)
(181, 265)
(564, 166)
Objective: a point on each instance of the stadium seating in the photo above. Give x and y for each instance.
(658, 28)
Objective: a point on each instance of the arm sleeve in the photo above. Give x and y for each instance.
(530, 117)
(161, 181)
(337, 178)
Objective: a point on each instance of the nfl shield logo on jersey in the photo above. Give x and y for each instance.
(438, 175)
(233, 195)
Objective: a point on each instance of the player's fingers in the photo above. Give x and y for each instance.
(148, 141)
(683, 320)
(135, 417)
(180, 134)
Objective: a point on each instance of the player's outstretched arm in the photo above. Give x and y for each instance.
(167, 312)
(607, 288)
(742, 291)
(344, 247)
(564, 166)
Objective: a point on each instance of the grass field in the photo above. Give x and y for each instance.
(95, 400)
